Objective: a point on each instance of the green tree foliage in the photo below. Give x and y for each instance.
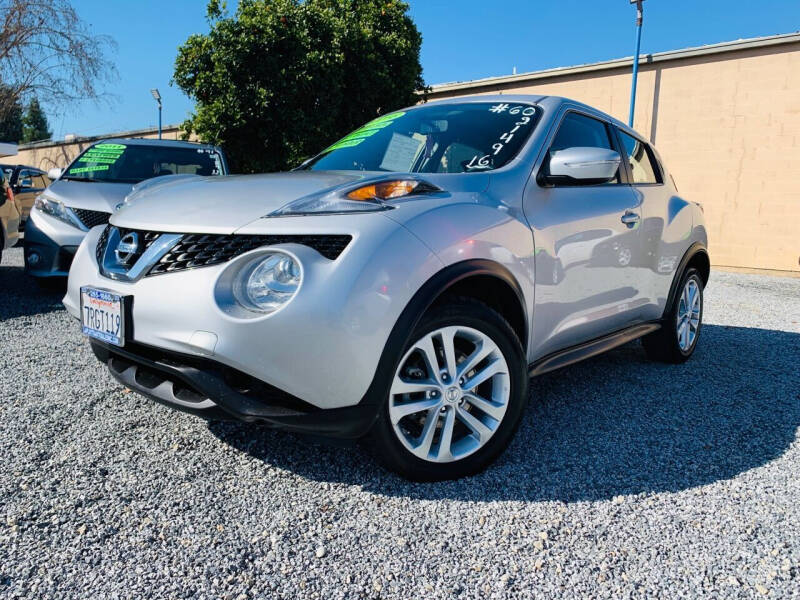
(11, 122)
(282, 79)
(34, 124)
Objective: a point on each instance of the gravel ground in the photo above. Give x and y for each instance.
(626, 479)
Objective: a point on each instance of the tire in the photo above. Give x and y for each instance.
(666, 345)
(480, 420)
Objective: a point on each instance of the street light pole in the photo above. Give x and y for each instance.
(638, 4)
(157, 97)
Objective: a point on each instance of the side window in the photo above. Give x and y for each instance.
(640, 158)
(24, 175)
(578, 130)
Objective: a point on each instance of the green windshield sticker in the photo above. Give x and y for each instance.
(386, 118)
(345, 144)
(365, 131)
(359, 134)
(103, 154)
(76, 170)
(104, 151)
(100, 157)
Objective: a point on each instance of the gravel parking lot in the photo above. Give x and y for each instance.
(626, 479)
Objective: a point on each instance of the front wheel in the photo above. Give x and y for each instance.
(676, 340)
(456, 397)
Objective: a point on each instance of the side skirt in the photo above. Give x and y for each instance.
(574, 354)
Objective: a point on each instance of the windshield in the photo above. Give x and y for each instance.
(121, 163)
(444, 138)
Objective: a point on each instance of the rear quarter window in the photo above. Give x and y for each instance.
(644, 168)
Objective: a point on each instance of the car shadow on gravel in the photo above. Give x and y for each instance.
(613, 425)
(22, 296)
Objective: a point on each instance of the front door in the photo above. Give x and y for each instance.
(585, 238)
(29, 184)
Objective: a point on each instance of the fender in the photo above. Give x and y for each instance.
(412, 313)
(694, 250)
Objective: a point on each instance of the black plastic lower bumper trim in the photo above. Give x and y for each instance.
(214, 391)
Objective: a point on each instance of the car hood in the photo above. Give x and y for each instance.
(221, 204)
(92, 196)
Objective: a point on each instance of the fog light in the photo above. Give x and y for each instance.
(267, 284)
(34, 258)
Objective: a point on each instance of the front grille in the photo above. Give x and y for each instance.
(146, 238)
(91, 218)
(201, 250)
(101, 244)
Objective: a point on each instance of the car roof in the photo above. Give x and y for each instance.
(548, 102)
(7, 166)
(152, 142)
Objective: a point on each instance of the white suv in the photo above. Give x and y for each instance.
(403, 284)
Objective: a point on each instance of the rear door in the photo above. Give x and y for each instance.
(666, 222)
(583, 247)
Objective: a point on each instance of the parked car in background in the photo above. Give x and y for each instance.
(26, 183)
(94, 184)
(9, 216)
(390, 287)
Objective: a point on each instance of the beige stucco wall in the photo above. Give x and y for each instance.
(728, 128)
(59, 154)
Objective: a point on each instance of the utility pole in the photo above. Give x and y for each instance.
(157, 96)
(638, 4)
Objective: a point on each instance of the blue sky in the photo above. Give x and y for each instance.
(462, 39)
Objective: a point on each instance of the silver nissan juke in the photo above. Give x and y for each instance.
(404, 284)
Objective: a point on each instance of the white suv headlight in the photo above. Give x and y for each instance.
(269, 283)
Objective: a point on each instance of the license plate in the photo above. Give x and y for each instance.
(103, 315)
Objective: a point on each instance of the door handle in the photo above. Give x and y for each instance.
(630, 218)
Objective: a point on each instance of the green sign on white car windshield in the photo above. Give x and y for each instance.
(132, 163)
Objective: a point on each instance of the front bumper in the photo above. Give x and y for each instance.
(214, 391)
(322, 348)
(50, 246)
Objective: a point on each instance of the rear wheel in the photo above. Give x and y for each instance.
(676, 340)
(456, 397)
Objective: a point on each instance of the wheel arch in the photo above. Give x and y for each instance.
(483, 279)
(695, 257)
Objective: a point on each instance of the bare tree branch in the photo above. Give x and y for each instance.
(47, 51)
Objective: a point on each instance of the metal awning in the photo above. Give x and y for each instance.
(8, 149)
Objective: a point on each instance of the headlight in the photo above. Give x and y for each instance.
(56, 209)
(367, 197)
(267, 284)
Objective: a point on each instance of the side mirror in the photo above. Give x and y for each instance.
(54, 173)
(581, 166)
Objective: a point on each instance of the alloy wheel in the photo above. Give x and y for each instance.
(688, 318)
(450, 394)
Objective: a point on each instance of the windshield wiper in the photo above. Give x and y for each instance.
(70, 178)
